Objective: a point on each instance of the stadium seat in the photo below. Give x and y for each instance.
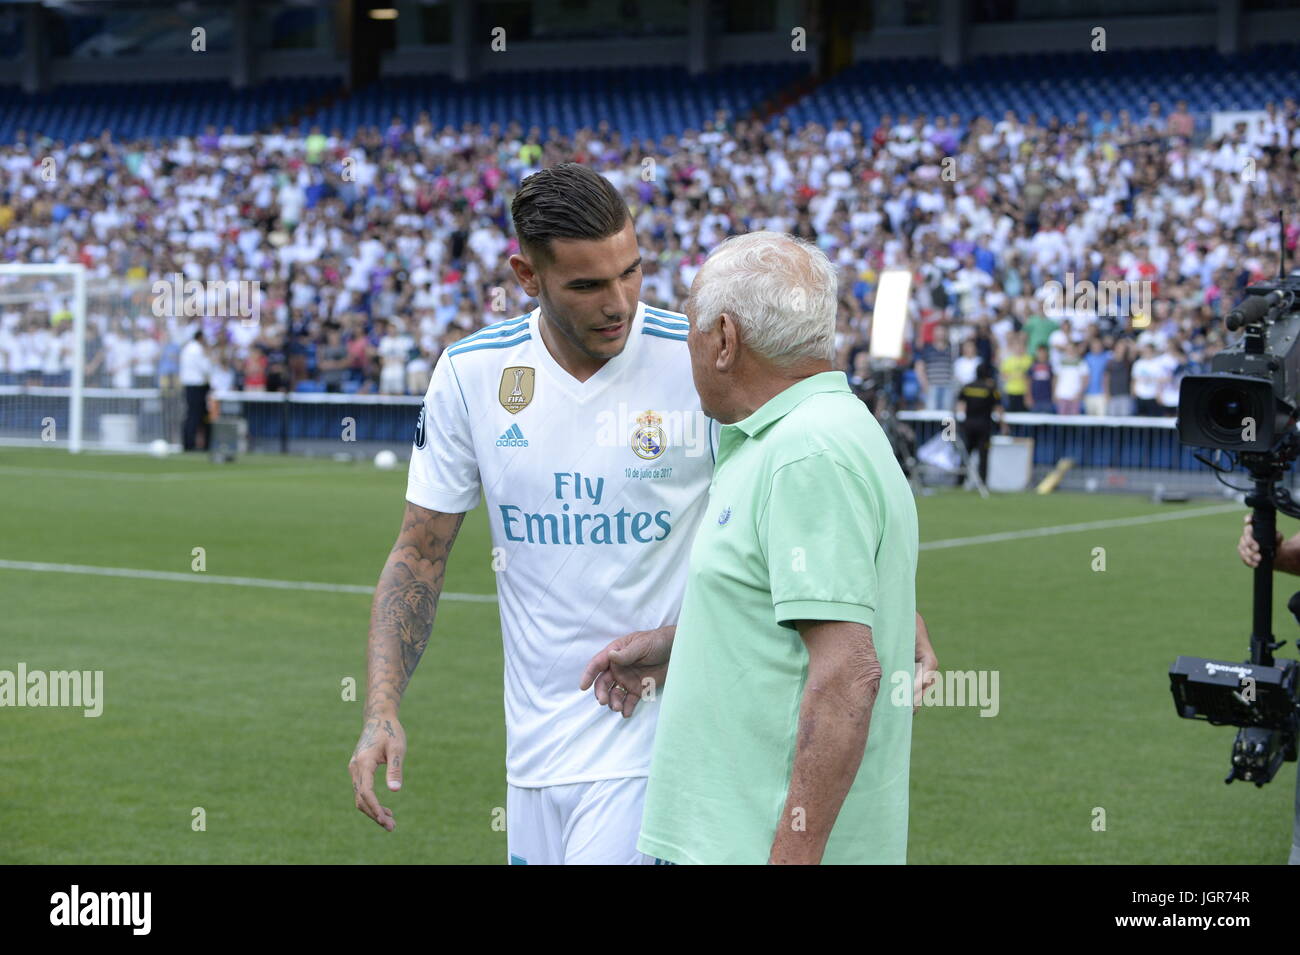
(1053, 85)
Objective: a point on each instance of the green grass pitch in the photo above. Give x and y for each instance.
(229, 697)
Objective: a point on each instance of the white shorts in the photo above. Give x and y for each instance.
(594, 823)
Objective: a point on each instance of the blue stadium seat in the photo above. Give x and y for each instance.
(146, 110)
(1055, 85)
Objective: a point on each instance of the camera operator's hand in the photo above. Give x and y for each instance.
(1248, 547)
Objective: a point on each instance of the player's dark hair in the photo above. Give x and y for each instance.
(567, 201)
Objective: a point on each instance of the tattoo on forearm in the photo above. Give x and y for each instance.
(404, 607)
(406, 600)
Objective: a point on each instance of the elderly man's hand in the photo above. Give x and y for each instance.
(927, 664)
(629, 668)
(1248, 547)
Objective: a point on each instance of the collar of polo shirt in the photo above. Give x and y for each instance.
(778, 406)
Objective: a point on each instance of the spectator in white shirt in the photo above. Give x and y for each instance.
(394, 348)
(145, 352)
(119, 350)
(1148, 379)
(57, 345)
(966, 364)
(1173, 362)
(1071, 380)
(418, 371)
(222, 375)
(31, 344)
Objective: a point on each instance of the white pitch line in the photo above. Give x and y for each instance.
(138, 574)
(1072, 528)
(149, 478)
(203, 578)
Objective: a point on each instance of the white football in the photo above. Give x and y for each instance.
(158, 448)
(385, 460)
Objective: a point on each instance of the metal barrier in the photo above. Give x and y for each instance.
(1109, 453)
(278, 422)
(323, 423)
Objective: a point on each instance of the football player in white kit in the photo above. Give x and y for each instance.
(579, 425)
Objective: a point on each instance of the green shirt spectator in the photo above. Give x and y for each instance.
(809, 518)
(1038, 329)
(314, 147)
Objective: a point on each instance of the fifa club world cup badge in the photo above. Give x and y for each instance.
(516, 389)
(649, 440)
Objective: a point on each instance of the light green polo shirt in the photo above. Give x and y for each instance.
(809, 517)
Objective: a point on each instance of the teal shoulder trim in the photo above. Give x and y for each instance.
(460, 348)
(660, 333)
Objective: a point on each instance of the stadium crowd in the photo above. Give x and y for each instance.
(374, 253)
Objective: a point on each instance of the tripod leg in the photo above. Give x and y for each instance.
(1295, 833)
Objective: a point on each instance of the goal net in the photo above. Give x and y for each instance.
(84, 363)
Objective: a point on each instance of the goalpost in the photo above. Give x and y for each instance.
(55, 324)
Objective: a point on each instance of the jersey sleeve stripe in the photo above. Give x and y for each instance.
(460, 348)
(664, 313)
(675, 326)
(496, 330)
(661, 334)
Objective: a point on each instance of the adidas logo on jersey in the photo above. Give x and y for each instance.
(513, 438)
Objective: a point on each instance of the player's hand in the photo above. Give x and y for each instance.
(630, 668)
(927, 664)
(382, 742)
(1248, 547)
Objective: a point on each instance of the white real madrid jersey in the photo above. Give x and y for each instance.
(594, 490)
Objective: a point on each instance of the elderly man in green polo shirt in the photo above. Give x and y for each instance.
(776, 742)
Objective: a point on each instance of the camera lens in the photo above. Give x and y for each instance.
(1228, 407)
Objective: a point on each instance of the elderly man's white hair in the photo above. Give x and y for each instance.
(781, 290)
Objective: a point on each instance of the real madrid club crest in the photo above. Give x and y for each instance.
(516, 389)
(649, 440)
